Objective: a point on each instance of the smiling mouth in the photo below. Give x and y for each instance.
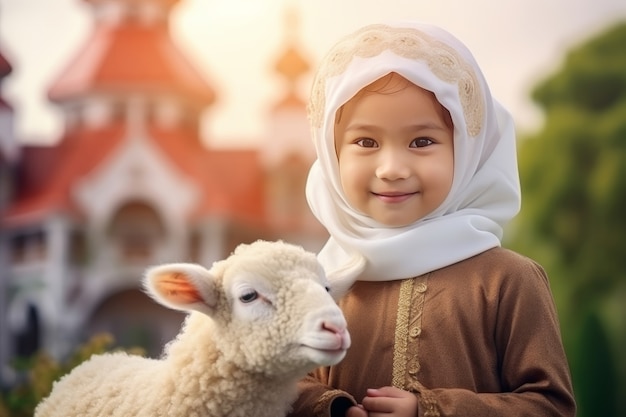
(395, 193)
(395, 197)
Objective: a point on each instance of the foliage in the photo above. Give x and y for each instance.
(41, 371)
(596, 379)
(593, 75)
(573, 175)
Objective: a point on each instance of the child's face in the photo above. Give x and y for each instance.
(395, 151)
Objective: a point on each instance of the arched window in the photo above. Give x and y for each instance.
(135, 229)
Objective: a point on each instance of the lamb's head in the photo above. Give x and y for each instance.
(269, 303)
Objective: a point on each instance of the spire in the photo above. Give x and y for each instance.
(291, 64)
(288, 124)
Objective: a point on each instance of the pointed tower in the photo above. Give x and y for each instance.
(288, 152)
(288, 123)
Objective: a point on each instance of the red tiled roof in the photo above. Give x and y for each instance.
(131, 57)
(232, 181)
(47, 173)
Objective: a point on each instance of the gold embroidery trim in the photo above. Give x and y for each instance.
(443, 60)
(402, 334)
(406, 349)
(406, 361)
(427, 399)
(323, 404)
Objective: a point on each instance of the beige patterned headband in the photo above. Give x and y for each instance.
(443, 60)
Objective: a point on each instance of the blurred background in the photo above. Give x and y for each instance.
(136, 132)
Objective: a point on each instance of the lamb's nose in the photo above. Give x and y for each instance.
(343, 337)
(333, 328)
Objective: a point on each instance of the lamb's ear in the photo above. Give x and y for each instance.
(182, 286)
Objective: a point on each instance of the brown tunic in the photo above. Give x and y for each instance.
(474, 339)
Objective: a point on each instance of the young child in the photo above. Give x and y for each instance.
(415, 178)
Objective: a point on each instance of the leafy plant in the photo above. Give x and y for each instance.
(40, 371)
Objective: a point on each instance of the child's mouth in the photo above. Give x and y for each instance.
(395, 197)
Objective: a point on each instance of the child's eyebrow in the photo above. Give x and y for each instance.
(409, 128)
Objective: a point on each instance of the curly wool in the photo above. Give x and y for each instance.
(223, 365)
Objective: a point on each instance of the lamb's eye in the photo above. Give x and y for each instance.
(249, 297)
(327, 289)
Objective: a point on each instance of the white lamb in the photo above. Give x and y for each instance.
(259, 321)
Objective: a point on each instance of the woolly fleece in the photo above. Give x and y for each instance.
(232, 358)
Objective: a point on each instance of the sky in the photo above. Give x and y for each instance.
(235, 43)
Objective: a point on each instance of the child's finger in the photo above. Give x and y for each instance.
(387, 392)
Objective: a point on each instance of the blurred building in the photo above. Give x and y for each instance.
(131, 184)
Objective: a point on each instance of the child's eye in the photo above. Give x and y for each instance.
(367, 143)
(421, 142)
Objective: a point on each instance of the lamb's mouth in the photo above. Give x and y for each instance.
(324, 356)
(326, 350)
(331, 343)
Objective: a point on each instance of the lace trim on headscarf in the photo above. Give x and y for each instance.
(370, 41)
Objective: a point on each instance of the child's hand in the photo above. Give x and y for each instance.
(390, 401)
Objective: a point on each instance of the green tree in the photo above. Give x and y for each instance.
(573, 219)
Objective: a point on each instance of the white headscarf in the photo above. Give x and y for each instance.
(485, 192)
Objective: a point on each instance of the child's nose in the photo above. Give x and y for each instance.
(393, 165)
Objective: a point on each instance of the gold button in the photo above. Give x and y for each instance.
(415, 331)
(421, 287)
(414, 367)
